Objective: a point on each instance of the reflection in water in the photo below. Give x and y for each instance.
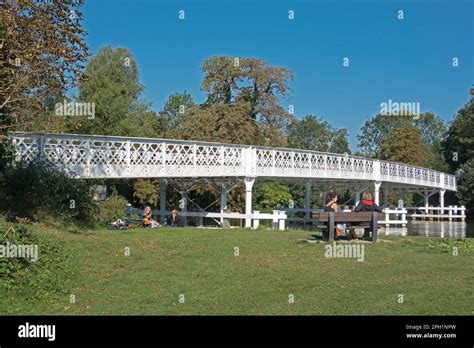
(443, 229)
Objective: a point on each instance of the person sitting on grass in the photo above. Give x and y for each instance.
(148, 221)
(173, 219)
(147, 217)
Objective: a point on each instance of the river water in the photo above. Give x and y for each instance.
(443, 229)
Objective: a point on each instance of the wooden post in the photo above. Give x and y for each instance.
(331, 227)
(374, 226)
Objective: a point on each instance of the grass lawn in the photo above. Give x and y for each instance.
(271, 265)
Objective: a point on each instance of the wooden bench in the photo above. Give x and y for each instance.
(367, 220)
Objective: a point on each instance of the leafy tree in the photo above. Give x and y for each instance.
(113, 86)
(405, 145)
(112, 209)
(315, 134)
(269, 194)
(172, 115)
(42, 53)
(465, 185)
(431, 128)
(36, 67)
(458, 147)
(146, 191)
(250, 82)
(220, 122)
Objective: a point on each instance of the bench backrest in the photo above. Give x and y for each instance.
(348, 217)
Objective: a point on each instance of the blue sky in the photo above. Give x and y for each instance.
(407, 60)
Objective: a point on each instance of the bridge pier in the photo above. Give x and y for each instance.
(163, 187)
(385, 197)
(224, 192)
(307, 198)
(184, 205)
(441, 200)
(357, 198)
(377, 185)
(249, 181)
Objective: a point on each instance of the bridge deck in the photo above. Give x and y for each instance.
(93, 156)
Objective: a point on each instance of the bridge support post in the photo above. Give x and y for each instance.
(163, 187)
(224, 193)
(385, 197)
(426, 197)
(441, 201)
(248, 200)
(357, 198)
(377, 185)
(184, 205)
(307, 198)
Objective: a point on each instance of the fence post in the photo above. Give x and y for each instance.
(256, 220)
(275, 219)
(281, 221)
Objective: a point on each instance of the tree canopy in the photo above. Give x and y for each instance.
(113, 85)
(458, 146)
(316, 134)
(405, 145)
(431, 128)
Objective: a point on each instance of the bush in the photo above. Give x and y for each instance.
(112, 209)
(40, 278)
(39, 190)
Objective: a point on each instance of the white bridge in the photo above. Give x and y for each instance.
(92, 156)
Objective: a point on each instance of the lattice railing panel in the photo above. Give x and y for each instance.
(102, 156)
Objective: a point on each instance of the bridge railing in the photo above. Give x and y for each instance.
(92, 156)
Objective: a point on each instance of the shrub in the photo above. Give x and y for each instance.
(37, 189)
(112, 208)
(41, 278)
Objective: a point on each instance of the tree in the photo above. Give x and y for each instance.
(220, 123)
(458, 147)
(269, 194)
(315, 134)
(431, 128)
(465, 186)
(405, 145)
(146, 191)
(114, 88)
(42, 53)
(250, 82)
(172, 114)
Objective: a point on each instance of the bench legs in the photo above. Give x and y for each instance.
(374, 226)
(331, 227)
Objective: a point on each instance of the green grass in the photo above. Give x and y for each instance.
(200, 263)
